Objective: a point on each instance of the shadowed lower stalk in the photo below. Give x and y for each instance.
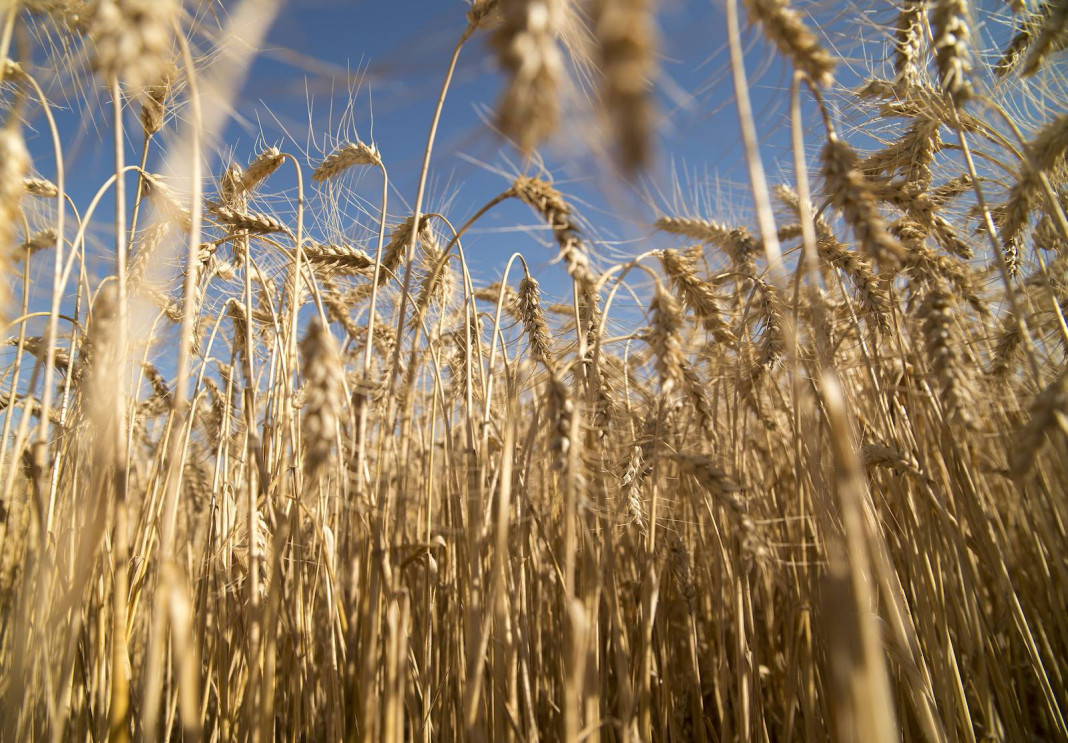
(858, 664)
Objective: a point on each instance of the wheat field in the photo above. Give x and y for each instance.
(796, 475)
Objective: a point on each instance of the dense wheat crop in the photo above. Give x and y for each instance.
(268, 473)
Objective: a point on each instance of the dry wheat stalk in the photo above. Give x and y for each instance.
(680, 562)
(150, 239)
(704, 230)
(1041, 22)
(38, 241)
(6, 402)
(713, 479)
(99, 361)
(154, 103)
(324, 402)
(911, 156)
(948, 363)
(697, 294)
(874, 297)
(769, 308)
(528, 308)
(951, 189)
(166, 201)
(160, 400)
(528, 52)
(338, 259)
(848, 189)
(1049, 414)
(40, 187)
(14, 164)
(260, 169)
(347, 156)
(922, 101)
(1051, 25)
(230, 190)
(949, 22)
(1047, 237)
(338, 307)
(540, 196)
(171, 308)
(630, 482)
(932, 264)
(908, 38)
(262, 224)
(481, 12)
(560, 408)
(783, 25)
(735, 241)
(132, 40)
(395, 249)
(626, 40)
(36, 346)
(12, 70)
(697, 394)
(1045, 154)
(436, 287)
(1048, 147)
(665, 327)
(435, 550)
(1008, 348)
(879, 455)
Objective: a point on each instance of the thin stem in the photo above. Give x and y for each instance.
(761, 196)
(40, 454)
(119, 709)
(361, 440)
(421, 188)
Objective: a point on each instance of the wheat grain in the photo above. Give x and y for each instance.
(528, 308)
(260, 169)
(132, 40)
(347, 156)
(952, 34)
(793, 37)
(850, 191)
(40, 187)
(540, 196)
(338, 259)
(262, 224)
(696, 294)
(947, 362)
(626, 39)
(324, 402)
(665, 326)
(526, 43)
(908, 37)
